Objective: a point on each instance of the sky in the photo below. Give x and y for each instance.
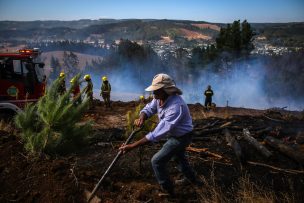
(217, 11)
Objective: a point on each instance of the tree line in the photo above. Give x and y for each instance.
(234, 41)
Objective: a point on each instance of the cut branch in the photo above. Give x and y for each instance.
(204, 151)
(272, 119)
(292, 171)
(207, 126)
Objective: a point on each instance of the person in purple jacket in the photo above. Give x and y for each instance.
(175, 123)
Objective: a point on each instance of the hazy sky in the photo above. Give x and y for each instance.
(205, 10)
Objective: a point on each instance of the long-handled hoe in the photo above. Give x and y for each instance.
(112, 164)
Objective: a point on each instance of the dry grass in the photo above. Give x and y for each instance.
(198, 114)
(244, 191)
(211, 191)
(226, 116)
(7, 127)
(249, 192)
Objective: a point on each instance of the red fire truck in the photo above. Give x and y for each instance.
(21, 79)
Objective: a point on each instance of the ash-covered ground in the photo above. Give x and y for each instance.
(227, 175)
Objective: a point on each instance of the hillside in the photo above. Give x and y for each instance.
(290, 34)
(83, 59)
(76, 24)
(139, 29)
(108, 29)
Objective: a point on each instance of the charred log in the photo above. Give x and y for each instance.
(202, 138)
(263, 131)
(284, 149)
(233, 143)
(252, 141)
(207, 131)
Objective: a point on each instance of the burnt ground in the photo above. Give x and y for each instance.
(226, 178)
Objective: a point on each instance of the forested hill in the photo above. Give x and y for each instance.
(132, 29)
(138, 29)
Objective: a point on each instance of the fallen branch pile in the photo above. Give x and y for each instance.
(253, 140)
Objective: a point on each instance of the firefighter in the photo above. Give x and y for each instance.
(62, 88)
(208, 100)
(89, 89)
(44, 81)
(106, 91)
(76, 91)
(142, 99)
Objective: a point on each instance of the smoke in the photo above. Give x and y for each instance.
(242, 84)
(126, 83)
(257, 82)
(238, 87)
(246, 85)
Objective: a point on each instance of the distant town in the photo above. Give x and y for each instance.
(167, 47)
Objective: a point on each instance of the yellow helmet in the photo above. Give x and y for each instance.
(72, 80)
(62, 75)
(87, 77)
(141, 97)
(104, 78)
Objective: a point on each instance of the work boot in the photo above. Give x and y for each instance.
(166, 192)
(186, 181)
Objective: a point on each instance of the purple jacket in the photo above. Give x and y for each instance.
(174, 116)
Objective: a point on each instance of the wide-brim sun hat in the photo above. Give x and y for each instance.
(164, 81)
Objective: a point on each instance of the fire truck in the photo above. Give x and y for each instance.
(21, 80)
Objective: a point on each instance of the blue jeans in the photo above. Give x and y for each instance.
(174, 147)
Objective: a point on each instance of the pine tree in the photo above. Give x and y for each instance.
(149, 124)
(70, 62)
(220, 40)
(55, 65)
(52, 125)
(227, 38)
(235, 39)
(246, 37)
(197, 57)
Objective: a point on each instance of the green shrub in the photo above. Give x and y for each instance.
(52, 125)
(149, 124)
